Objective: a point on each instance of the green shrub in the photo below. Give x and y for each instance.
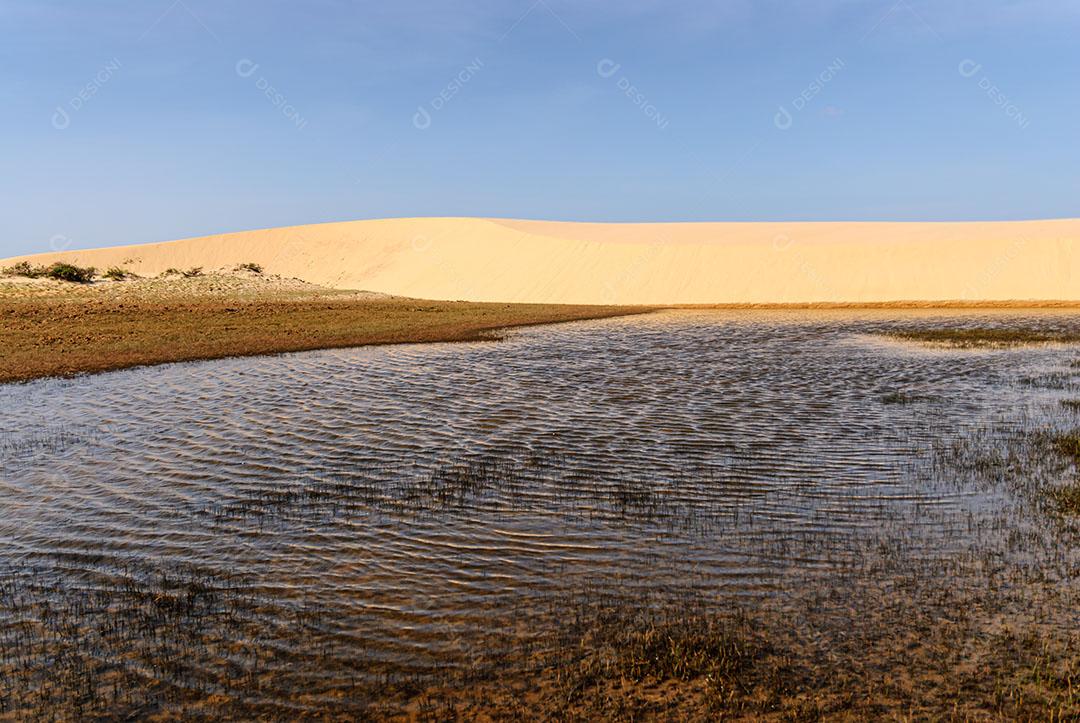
(117, 274)
(62, 271)
(24, 268)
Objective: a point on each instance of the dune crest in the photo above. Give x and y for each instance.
(504, 260)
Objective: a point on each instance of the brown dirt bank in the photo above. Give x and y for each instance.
(53, 329)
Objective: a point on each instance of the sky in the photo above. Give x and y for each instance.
(133, 121)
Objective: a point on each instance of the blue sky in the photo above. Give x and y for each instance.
(127, 122)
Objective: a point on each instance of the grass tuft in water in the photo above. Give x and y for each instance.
(899, 398)
(1068, 444)
(678, 647)
(1049, 380)
(986, 336)
(1067, 498)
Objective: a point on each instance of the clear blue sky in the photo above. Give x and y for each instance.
(126, 121)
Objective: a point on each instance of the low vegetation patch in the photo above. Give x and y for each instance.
(899, 397)
(192, 272)
(962, 337)
(117, 274)
(1049, 380)
(61, 271)
(636, 663)
(70, 272)
(250, 266)
(675, 647)
(25, 269)
(1067, 497)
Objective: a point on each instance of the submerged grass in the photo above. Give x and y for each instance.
(1068, 444)
(905, 397)
(524, 482)
(890, 652)
(147, 641)
(1067, 498)
(892, 635)
(173, 642)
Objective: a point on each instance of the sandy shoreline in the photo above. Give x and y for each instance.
(501, 260)
(58, 329)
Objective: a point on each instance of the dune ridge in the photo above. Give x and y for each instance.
(501, 260)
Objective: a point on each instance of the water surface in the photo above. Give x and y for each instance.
(403, 502)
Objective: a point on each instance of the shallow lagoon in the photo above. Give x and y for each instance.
(354, 516)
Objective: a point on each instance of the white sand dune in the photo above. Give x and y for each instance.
(664, 263)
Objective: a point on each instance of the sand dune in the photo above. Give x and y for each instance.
(665, 263)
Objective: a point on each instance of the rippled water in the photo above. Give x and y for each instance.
(413, 495)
